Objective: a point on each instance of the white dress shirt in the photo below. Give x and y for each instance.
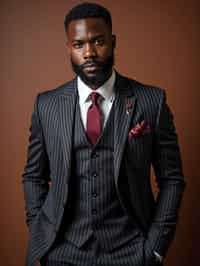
(106, 91)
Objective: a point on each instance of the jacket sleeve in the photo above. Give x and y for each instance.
(36, 172)
(169, 176)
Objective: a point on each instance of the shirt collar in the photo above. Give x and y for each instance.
(106, 90)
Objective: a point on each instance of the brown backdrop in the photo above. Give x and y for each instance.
(157, 42)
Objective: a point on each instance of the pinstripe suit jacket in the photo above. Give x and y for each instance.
(49, 158)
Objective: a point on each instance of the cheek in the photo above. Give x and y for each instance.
(105, 52)
(76, 57)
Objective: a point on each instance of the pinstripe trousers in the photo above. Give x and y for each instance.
(91, 254)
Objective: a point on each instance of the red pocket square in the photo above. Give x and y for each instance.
(140, 129)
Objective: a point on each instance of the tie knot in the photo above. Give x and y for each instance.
(95, 96)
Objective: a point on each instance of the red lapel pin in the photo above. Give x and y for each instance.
(128, 107)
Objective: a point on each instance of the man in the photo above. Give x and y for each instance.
(94, 139)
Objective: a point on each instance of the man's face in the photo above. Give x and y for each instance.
(90, 46)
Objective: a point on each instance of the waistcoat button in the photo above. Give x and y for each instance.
(95, 155)
(94, 211)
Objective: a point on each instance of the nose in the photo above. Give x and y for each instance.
(90, 51)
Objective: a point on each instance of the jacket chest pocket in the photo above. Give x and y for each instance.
(140, 149)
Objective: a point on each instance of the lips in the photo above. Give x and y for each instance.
(90, 67)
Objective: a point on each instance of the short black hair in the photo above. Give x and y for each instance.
(88, 10)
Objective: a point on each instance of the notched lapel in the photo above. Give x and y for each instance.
(67, 104)
(124, 109)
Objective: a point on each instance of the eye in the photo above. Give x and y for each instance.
(78, 45)
(99, 42)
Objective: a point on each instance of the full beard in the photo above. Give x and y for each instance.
(97, 79)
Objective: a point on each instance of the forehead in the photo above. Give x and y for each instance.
(87, 27)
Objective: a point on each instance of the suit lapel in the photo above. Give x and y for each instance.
(124, 109)
(67, 103)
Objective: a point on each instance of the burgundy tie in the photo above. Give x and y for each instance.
(94, 119)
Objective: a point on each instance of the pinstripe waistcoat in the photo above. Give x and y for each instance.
(50, 158)
(93, 206)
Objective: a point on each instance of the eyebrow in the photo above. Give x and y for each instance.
(93, 38)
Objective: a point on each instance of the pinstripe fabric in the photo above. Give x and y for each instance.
(92, 254)
(50, 158)
(110, 225)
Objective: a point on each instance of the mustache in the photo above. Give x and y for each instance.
(91, 62)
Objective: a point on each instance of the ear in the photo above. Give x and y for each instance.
(114, 41)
